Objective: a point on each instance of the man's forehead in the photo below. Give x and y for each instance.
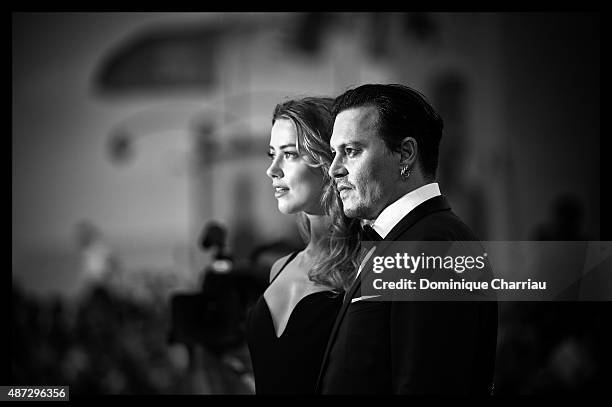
(355, 123)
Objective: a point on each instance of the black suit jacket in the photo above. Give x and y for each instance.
(414, 347)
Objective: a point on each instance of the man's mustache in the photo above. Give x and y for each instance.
(340, 185)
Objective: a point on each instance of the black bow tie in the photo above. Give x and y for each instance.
(369, 234)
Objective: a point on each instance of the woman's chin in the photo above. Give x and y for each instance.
(285, 209)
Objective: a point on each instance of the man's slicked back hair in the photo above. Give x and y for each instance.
(402, 112)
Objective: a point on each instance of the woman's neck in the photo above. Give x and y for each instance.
(319, 234)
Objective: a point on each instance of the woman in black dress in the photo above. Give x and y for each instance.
(288, 327)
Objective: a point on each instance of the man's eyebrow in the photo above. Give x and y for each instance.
(350, 143)
(284, 146)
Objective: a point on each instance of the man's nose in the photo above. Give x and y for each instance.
(336, 169)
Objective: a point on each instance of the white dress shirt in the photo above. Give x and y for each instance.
(392, 214)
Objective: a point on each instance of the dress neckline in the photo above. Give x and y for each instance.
(269, 312)
(267, 306)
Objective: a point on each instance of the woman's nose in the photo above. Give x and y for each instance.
(274, 171)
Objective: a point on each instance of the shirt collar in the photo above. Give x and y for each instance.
(392, 214)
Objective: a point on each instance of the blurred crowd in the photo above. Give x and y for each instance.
(141, 331)
(102, 344)
(107, 343)
(146, 334)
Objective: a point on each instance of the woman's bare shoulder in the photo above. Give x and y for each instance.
(278, 265)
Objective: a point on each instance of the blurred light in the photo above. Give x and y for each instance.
(222, 266)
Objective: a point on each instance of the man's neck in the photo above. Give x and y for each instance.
(401, 191)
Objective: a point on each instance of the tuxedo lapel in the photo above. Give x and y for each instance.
(334, 331)
(438, 203)
(356, 286)
(435, 204)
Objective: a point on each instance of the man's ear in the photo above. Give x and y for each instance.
(409, 150)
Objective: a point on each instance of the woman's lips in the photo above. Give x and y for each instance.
(280, 191)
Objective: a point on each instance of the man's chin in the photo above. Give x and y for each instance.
(352, 212)
(358, 212)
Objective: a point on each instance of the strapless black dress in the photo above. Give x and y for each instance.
(290, 363)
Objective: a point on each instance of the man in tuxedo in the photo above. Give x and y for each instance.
(385, 140)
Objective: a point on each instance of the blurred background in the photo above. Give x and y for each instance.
(143, 225)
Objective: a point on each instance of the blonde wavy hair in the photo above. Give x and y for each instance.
(313, 120)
